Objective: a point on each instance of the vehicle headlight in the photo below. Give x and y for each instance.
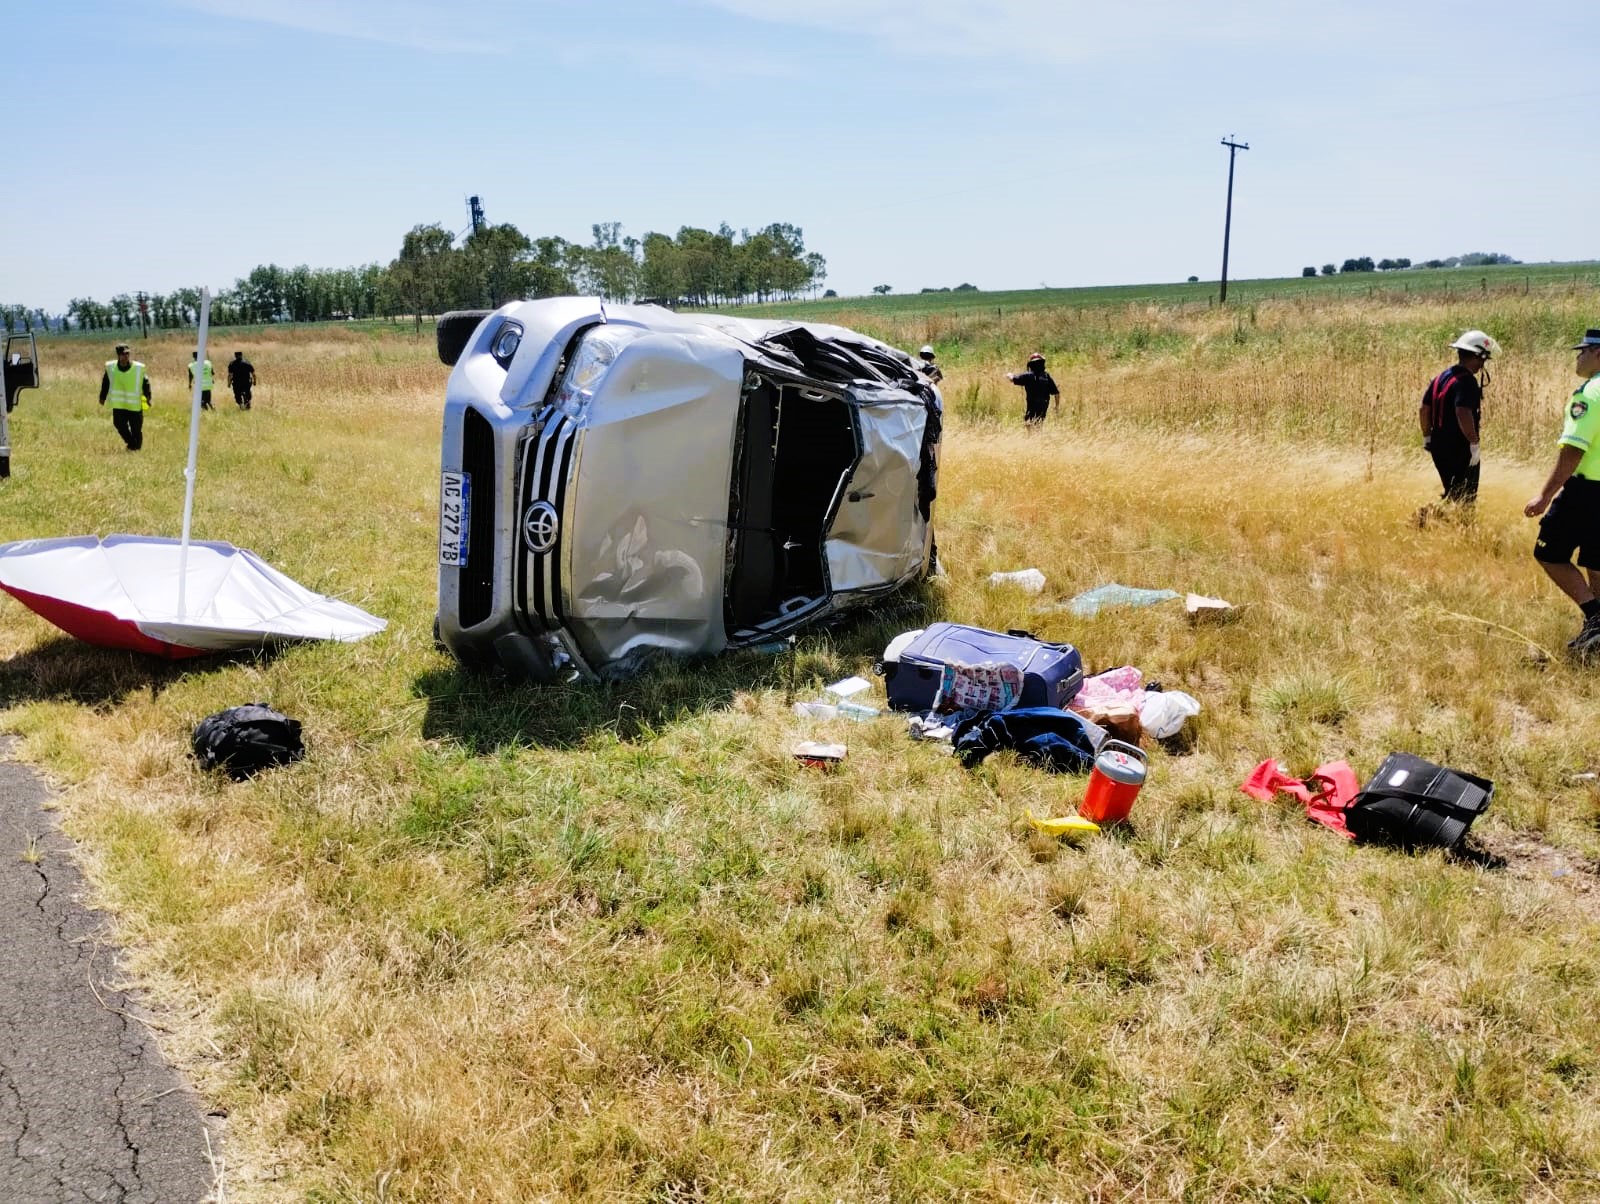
(589, 366)
(506, 343)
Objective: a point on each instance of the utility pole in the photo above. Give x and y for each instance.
(475, 211)
(1227, 222)
(144, 316)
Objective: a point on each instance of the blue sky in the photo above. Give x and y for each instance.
(1008, 144)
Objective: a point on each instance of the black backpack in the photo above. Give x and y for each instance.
(1411, 802)
(243, 740)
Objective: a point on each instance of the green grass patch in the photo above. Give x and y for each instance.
(612, 941)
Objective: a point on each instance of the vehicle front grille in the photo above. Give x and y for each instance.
(475, 589)
(546, 468)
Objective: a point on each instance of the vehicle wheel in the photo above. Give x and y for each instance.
(454, 329)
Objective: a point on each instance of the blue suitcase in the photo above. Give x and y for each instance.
(1051, 673)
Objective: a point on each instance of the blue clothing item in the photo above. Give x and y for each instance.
(1057, 740)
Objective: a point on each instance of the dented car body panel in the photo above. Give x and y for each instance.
(619, 481)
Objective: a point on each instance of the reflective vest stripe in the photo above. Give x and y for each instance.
(127, 387)
(1438, 394)
(207, 376)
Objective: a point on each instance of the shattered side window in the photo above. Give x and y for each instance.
(588, 367)
(890, 367)
(821, 359)
(844, 362)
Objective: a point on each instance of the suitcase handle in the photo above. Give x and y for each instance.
(1417, 799)
(1043, 643)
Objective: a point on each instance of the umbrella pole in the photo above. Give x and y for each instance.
(194, 448)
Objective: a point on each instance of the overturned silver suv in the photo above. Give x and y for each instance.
(622, 480)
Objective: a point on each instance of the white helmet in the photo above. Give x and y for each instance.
(1478, 342)
(927, 349)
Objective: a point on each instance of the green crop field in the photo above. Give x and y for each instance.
(494, 942)
(1421, 283)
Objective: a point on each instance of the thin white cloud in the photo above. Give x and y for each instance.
(689, 61)
(409, 24)
(1070, 31)
(431, 25)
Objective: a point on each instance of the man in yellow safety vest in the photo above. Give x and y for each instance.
(127, 387)
(207, 379)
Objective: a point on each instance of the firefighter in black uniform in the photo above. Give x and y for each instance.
(241, 379)
(1039, 388)
(1451, 413)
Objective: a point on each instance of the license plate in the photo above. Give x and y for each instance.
(455, 510)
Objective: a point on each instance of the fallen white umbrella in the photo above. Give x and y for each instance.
(122, 592)
(172, 597)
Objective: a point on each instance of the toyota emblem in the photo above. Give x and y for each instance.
(540, 525)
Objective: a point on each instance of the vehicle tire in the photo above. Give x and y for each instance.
(454, 329)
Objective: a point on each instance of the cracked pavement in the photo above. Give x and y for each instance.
(89, 1108)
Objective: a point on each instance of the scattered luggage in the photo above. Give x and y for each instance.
(1411, 802)
(914, 670)
(1057, 740)
(245, 740)
(1326, 794)
(1119, 701)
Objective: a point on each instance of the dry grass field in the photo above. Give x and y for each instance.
(499, 943)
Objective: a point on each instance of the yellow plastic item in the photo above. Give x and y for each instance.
(1065, 825)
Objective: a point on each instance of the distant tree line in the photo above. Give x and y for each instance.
(433, 273)
(20, 317)
(694, 267)
(1471, 260)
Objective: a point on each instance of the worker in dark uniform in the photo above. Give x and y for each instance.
(927, 367)
(1038, 387)
(1451, 414)
(128, 387)
(1570, 502)
(241, 379)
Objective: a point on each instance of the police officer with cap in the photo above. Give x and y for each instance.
(1570, 501)
(127, 387)
(927, 367)
(1038, 387)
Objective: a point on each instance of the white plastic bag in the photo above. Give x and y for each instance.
(1164, 712)
(1029, 581)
